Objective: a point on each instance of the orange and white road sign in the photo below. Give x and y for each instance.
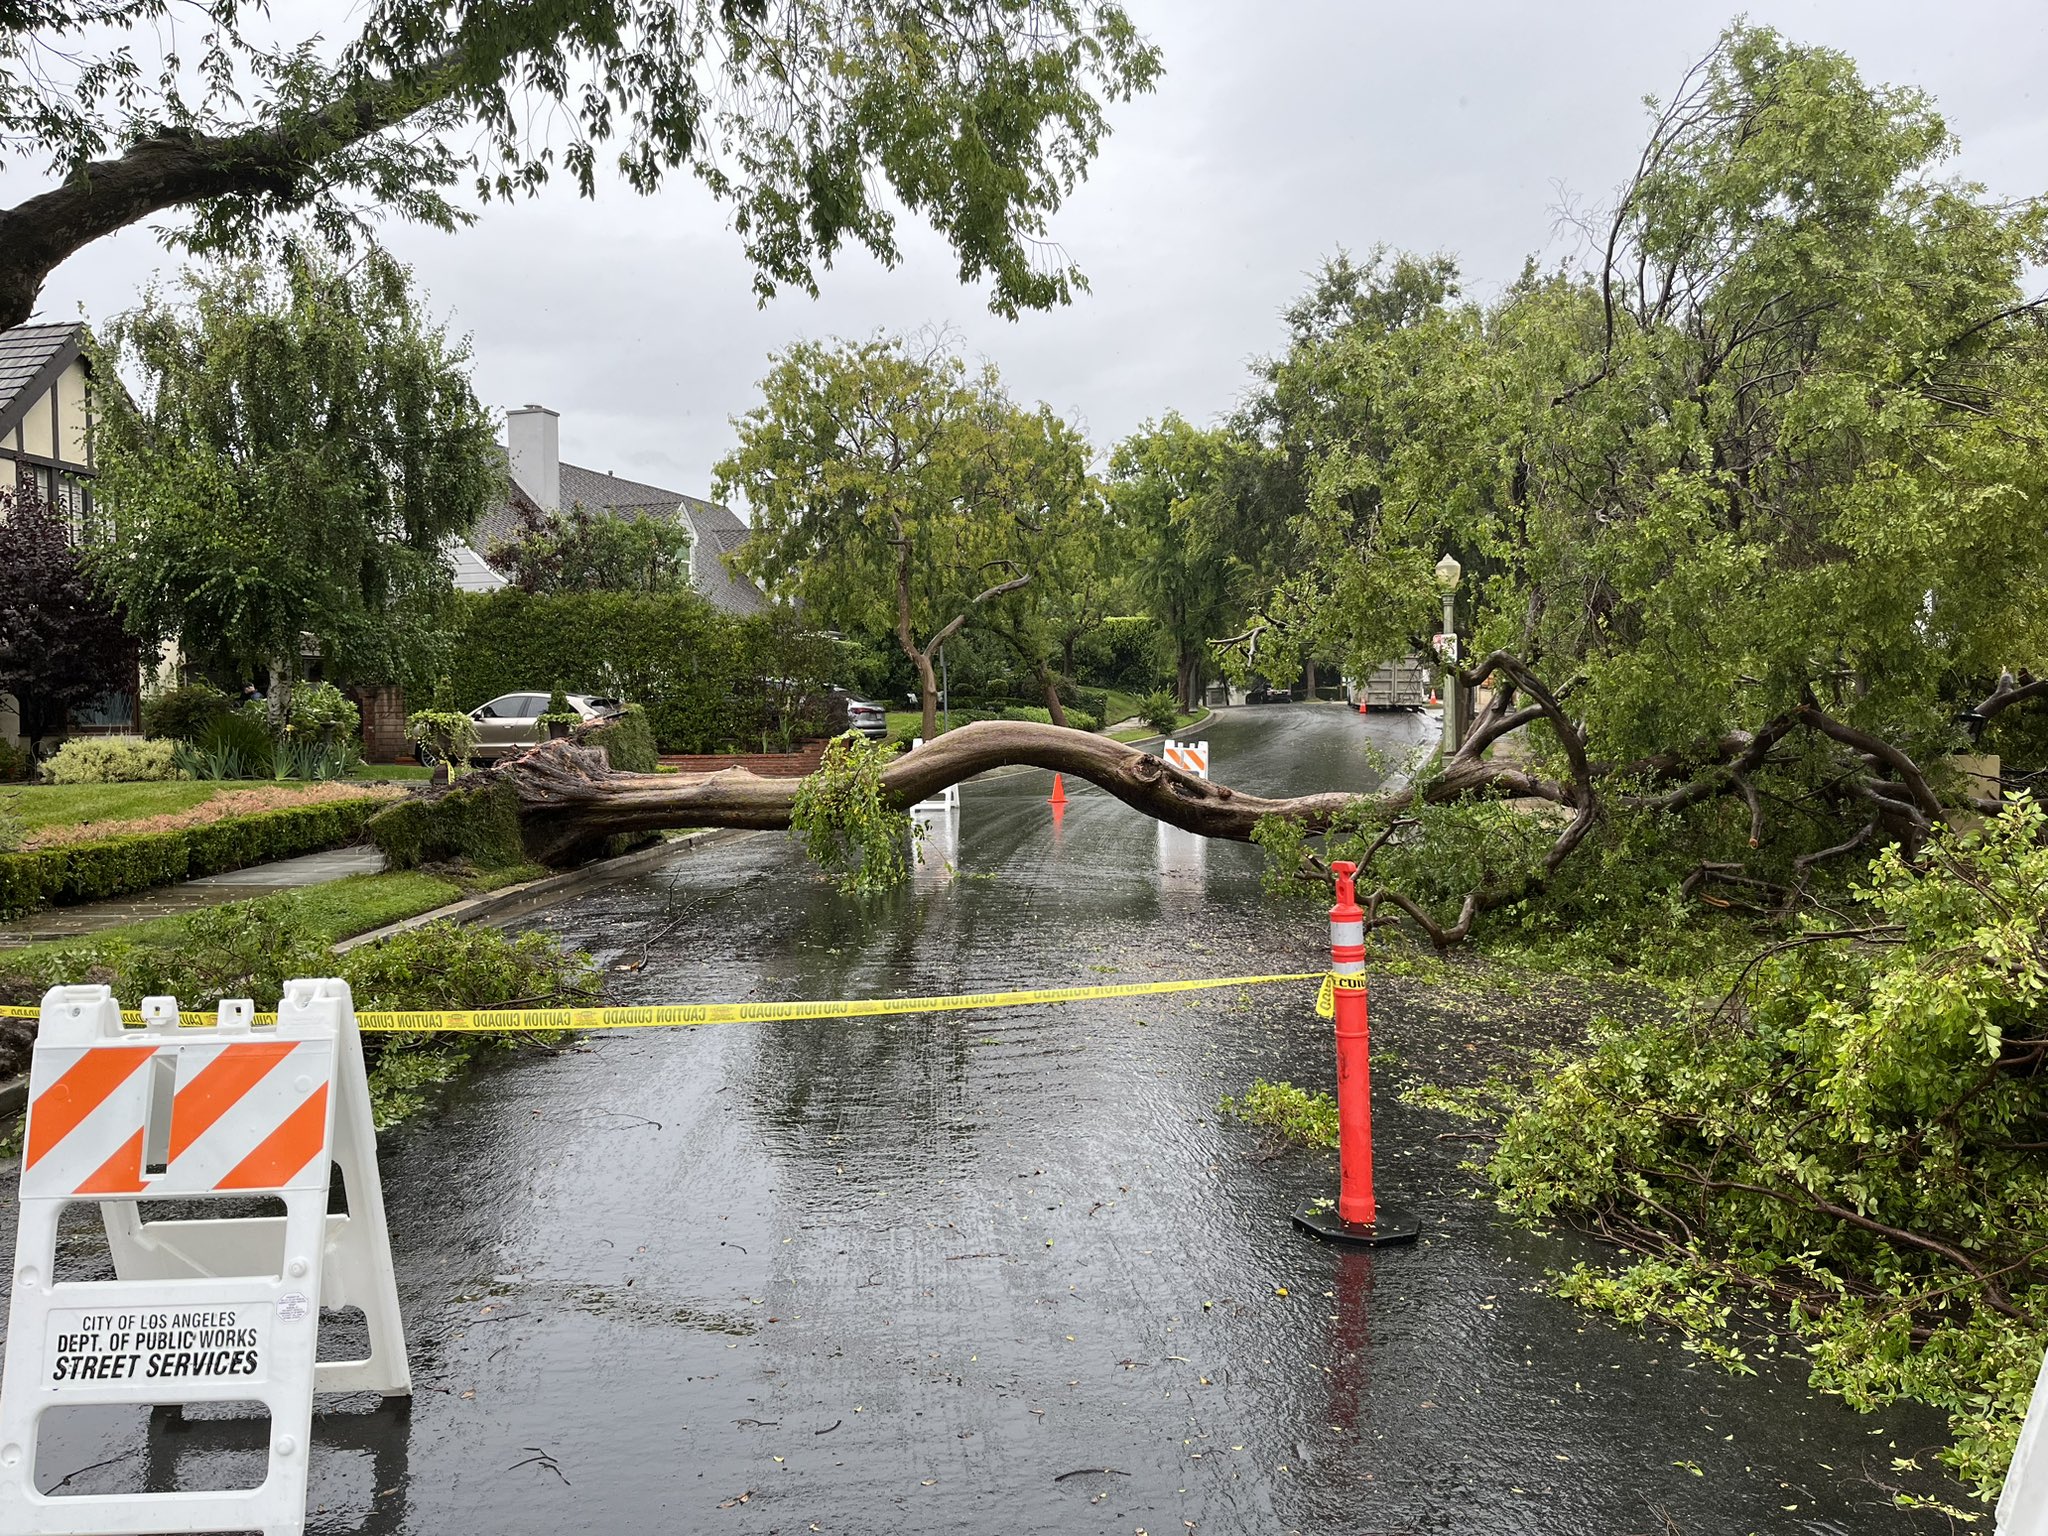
(1189, 757)
(213, 1310)
(947, 799)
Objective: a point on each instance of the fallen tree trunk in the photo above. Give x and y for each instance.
(562, 803)
(571, 800)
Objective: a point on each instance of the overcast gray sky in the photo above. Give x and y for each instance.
(1280, 132)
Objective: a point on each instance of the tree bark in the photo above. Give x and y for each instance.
(571, 799)
(1051, 688)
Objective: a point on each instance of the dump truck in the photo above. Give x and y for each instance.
(1403, 684)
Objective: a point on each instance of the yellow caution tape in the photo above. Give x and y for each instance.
(1326, 995)
(687, 1015)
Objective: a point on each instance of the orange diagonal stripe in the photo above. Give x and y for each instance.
(218, 1086)
(59, 1108)
(286, 1150)
(120, 1174)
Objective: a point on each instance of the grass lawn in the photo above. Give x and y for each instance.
(54, 814)
(388, 772)
(338, 910)
(67, 805)
(906, 723)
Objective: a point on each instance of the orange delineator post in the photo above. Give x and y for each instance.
(1354, 1053)
(1358, 1218)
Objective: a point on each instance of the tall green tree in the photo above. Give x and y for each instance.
(1749, 510)
(291, 453)
(584, 551)
(1171, 485)
(894, 492)
(815, 120)
(1080, 557)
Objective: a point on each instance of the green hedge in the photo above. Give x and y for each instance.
(118, 866)
(693, 667)
(628, 742)
(476, 822)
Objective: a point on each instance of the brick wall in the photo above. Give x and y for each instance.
(773, 765)
(383, 710)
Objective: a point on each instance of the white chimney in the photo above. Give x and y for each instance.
(533, 441)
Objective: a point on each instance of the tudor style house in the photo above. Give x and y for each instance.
(540, 482)
(46, 413)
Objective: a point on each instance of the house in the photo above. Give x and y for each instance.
(46, 413)
(46, 431)
(541, 482)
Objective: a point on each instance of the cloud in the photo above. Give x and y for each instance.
(1278, 134)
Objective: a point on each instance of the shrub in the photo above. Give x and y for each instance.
(1161, 711)
(446, 965)
(472, 821)
(444, 735)
(628, 741)
(1132, 654)
(251, 949)
(15, 762)
(238, 745)
(323, 710)
(115, 866)
(184, 714)
(313, 758)
(558, 712)
(111, 760)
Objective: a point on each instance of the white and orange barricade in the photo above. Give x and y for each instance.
(1189, 757)
(201, 1311)
(947, 799)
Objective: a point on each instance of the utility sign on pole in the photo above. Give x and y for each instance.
(201, 1311)
(1446, 646)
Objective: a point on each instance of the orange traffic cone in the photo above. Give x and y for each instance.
(1364, 708)
(1059, 790)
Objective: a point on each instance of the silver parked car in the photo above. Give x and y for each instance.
(511, 722)
(869, 719)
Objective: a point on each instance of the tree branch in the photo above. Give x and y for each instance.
(173, 168)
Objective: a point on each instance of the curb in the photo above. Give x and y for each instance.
(512, 901)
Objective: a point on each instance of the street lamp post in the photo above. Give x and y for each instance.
(1447, 573)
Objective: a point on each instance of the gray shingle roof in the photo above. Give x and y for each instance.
(24, 350)
(29, 353)
(715, 531)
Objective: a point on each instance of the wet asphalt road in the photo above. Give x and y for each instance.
(1002, 1272)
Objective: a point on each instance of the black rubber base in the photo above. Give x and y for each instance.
(1392, 1227)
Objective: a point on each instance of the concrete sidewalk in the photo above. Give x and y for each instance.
(234, 885)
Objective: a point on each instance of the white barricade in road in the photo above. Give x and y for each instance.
(947, 799)
(1189, 757)
(2023, 1507)
(202, 1311)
